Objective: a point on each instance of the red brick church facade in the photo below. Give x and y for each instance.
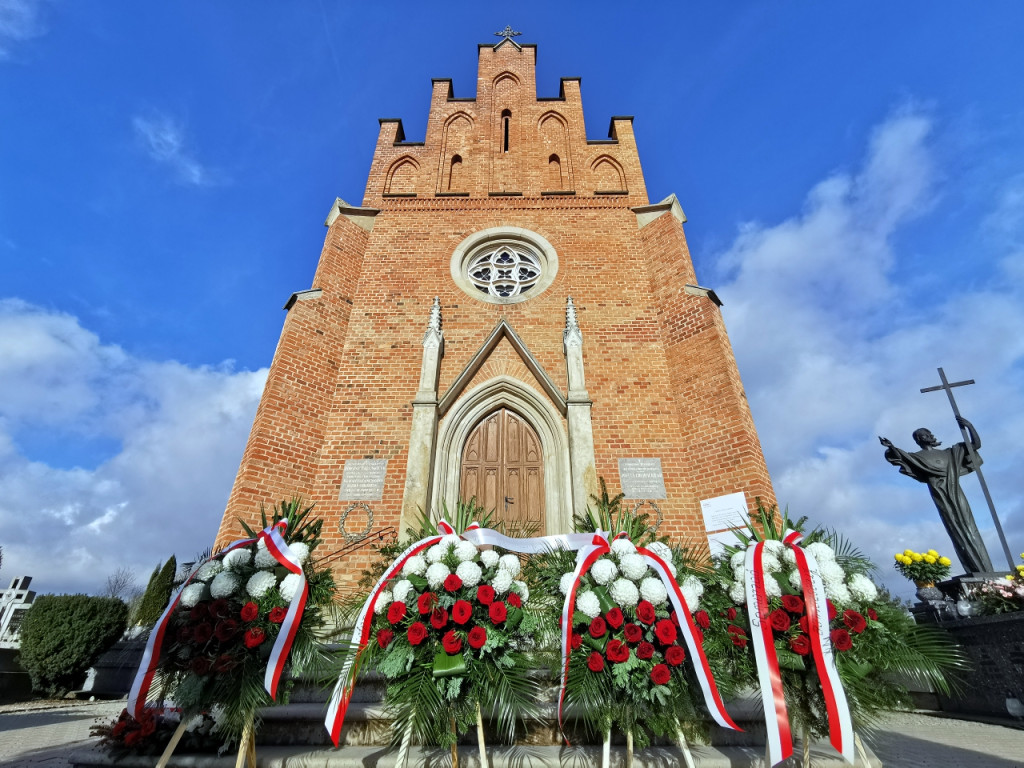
(503, 388)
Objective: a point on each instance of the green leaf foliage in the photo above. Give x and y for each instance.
(157, 594)
(63, 635)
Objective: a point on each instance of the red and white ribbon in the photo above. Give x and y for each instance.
(282, 646)
(694, 641)
(780, 738)
(342, 695)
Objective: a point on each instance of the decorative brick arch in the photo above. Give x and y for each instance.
(455, 143)
(402, 176)
(553, 129)
(608, 175)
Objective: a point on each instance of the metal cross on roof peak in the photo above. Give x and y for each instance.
(508, 33)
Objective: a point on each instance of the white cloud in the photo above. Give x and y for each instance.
(181, 431)
(834, 346)
(19, 21)
(164, 141)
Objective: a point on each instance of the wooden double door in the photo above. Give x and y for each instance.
(503, 467)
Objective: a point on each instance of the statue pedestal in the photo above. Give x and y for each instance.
(955, 587)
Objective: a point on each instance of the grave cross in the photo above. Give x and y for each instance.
(948, 387)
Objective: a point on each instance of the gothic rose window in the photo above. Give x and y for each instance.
(504, 265)
(505, 271)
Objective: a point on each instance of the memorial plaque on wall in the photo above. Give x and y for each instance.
(363, 479)
(641, 478)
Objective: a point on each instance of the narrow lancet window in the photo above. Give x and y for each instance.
(506, 118)
(455, 174)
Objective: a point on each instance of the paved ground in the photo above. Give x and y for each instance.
(41, 734)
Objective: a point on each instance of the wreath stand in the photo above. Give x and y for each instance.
(246, 746)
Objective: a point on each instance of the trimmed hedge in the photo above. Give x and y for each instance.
(63, 635)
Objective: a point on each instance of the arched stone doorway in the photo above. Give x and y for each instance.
(503, 467)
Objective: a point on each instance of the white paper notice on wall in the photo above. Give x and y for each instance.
(717, 542)
(722, 512)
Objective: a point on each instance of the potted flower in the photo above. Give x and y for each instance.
(923, 568)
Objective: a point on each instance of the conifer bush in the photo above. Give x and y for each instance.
(157, 594)
(63, 635)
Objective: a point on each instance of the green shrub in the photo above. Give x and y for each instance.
(157, 594)
(63, 635)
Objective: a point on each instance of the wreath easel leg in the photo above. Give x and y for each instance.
(455, 744)
(806, 757)
(684, 747)
(480, 736)
(247, 747)
(172, 744)
(403, 750)
(629, 748)
(606, 748)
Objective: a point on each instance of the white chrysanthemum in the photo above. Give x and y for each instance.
(384, 599)
(789, 556)
(625, 593)
(192, 594)
(502, 581)
(822, 552)
(588, 604)
(622, 547)
(830, 570)
(772, 588)
(301, 551)
(465, 551)
(435, 553)
(838, 593)
(259, 583)
(470, 574)
(694, 584)
(290, 586)
(436, 574)
(414, 566)
(511, 564)
(737, 593)
(208, 570)
(604, 571)
(653, 591)
(774, 547)
(770, 563)
(217, 713)
(565, 583)
(520, 588)
(738, 559)
(237, 559)
(862, 588)
(401, 590)
(691, 597)
(489, 558)
(739, 575)
(224, 584)
(633, 567)
(794, 580)
(450, 540)
(264, 560)
(672, 568)
(193, 723)
(662, 550)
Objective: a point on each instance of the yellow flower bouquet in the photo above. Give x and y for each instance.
(925, 567)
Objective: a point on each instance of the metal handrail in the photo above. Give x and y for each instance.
(390, 533)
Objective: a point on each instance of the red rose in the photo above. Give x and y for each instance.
(132, 738)
(277, 615)
(396, 612)
(576, 641)
(202, 633)
(702, 619)
(633, 633)
(854, 621)
(841, 640)
(225, 630)
(660, 674)
(200, 665)
(451, 642)
(477, 637)
(185, 634)
(831, 610)
(793, 604)
(645, 612)
(148, 728)
(800, 644)
(617, 651)
(461, 612)
(732, 629)
(254, 636)
(485, 594)
(452, 582)
(249, 611)
(498, 612)
(119, 728)
(199, 612)
(384, 637)
(614, 618)
(425, 602)
(739, 637)
(675, 655)
(220, 609)
(665, 631)
(739, 640)
(644, 651)
(872, 614)
(804, 624)
(416, 633)
(779, 620)
(514, 600)
(439, 618)
(675, 619)
(224, 663)
(598, 627)
(731, 614)
(595, 662)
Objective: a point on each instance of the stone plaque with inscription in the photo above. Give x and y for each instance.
(363, 480)
(641, 478)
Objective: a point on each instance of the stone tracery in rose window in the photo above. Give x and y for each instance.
(505, 271)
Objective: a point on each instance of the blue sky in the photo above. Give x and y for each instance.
(853, 176)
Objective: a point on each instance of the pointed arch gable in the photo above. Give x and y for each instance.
(402, 176)
(502, 76)
(607, 173)
(506, 392)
